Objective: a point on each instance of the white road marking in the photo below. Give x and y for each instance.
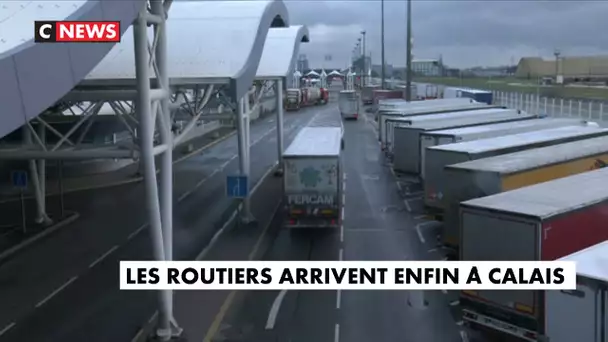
(420, 217)
(220, 168)
(337, 333)
(54, 293)
(341, 254)
(459, 323)
(274, 310)
(342, 214)
(103, 256)
(445, 292)
(344, 186)
(7, 328)
(344, 175)
(464, 336)
(419, 231)
(137, 231)
(338, 299)
(343, 199)
(454, 303)
(407, 205)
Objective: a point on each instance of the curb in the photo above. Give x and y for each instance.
(127, 181)
(15, 249)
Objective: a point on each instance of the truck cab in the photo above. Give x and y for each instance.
(313, 178)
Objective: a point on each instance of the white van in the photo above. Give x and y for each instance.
(348, 103)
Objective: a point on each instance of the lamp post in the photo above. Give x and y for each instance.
(408, 66)
(364, 60)
(382, 42)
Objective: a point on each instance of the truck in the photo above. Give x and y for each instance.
(313, 175)
(403, 109)
(367, 94)
(311, 96)
(438, 157)
(293, 99)
(406, 149)
(477, 95)
(584, 309)
(455, 135)
(542, 222)
(488, 176)
(324, 95)
(348, 104)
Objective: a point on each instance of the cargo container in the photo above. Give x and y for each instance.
(438, 157)
(477, 95)
(406, 149)
(541, 222)
(488, 176)
(381, 94)
(403, 109)
(580, 315)
(455, 135)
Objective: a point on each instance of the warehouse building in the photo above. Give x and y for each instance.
(427, 67)
(573, 69)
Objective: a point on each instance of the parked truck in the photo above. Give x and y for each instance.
(584, 309)
(367, 94)
(441, 121)
(313, 175)
(542, 222)
(348, 104)
(438, 157)
(455, 135)
(488, 176)
(293, 99)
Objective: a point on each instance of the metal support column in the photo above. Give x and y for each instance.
(279, 94)
(166, 171)
(42, 176)
(41, 216)
(243, 141)
(143, 108)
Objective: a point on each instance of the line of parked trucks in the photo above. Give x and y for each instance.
(296, 98)
(511, 186)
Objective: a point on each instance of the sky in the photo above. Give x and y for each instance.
(463, 33)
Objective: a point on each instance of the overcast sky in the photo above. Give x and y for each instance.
(465, 33)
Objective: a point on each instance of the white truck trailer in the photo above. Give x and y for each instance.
(312, 167)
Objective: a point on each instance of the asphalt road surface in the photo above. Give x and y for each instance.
(66, 288)
(378, 224)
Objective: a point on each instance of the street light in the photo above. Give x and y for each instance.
(408, 66)
(364, 60)
(382, 40)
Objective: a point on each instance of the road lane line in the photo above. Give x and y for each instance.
(464, 336)
(274, 310)
(420, 236)
(407, 205)
(136, 231)
(103, 256)
(445, 292)
(454, 303)
(338, 299)
(220, 168)
(341, 254)
(7, 328)
(337, 333)
(341, 233)
(420, 217)
(54, 293)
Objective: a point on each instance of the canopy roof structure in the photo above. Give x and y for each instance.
(334, 73)
(280, 51)
(34, 76)
(312, 73)
(209, 42)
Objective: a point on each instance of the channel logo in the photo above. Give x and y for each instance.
(77, 31)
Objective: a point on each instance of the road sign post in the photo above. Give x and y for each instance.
(237, 186)
(19, 180)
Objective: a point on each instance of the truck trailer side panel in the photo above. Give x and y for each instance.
(435, 181)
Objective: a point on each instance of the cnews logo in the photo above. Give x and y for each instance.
(77, 31)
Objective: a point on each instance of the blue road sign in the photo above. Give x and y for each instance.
(237, 186)
(19, 178)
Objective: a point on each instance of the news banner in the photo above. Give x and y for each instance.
(347, 275)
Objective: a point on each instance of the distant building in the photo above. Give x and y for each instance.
(571, 68)
(427, 67)
(388, 70)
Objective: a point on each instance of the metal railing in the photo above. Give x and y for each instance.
(556, 107)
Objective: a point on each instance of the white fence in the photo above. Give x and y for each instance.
(533, 104)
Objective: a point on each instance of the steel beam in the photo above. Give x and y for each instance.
(280, 135)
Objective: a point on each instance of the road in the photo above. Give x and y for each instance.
(378, 224)
(66, 288)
